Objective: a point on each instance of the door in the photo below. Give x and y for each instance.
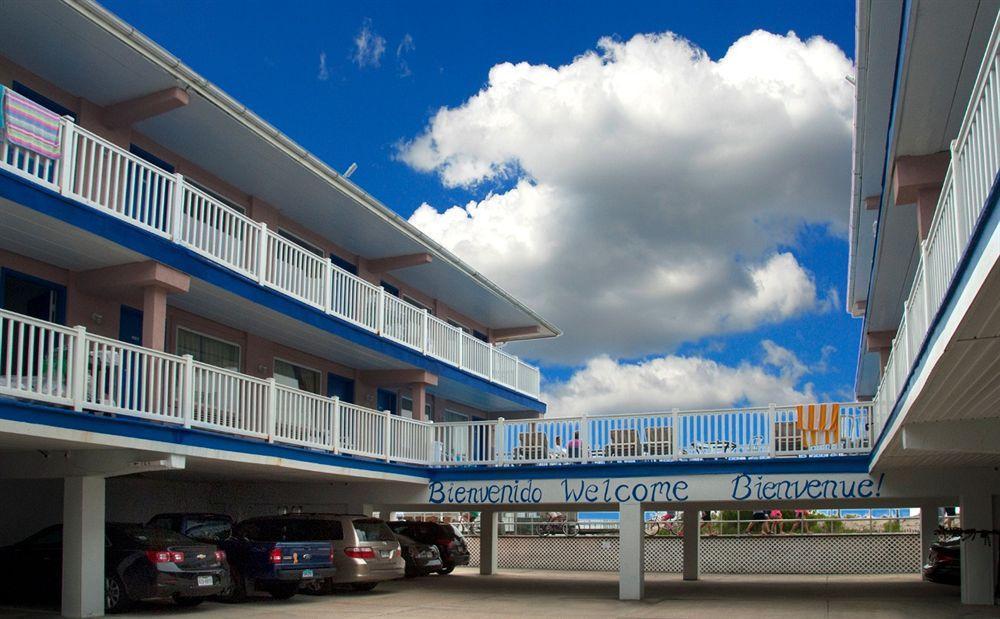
(340, 387)
(386, 401)
(130, 326)
(32, 296)
(130, 372)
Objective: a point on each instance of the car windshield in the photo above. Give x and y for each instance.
(372, 530)
(208, 528)
(287, 530)
(155, 537)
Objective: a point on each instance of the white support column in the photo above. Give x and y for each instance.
(83, 547)
(977, 555)
(488, 542)
(631, 557)
(692, 536)
(928, 523)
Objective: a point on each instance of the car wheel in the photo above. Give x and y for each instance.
(187, 602)
(116, 599)
(284, 590)
(363, 586)
(448, 569)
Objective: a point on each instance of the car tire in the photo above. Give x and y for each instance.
(284, 590)
(187, 602)
(448, 569)
(116, 599)
(363, 586)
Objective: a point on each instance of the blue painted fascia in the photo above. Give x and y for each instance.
(130, 427)
(26, 193)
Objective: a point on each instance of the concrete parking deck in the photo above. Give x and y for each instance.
(529, 593)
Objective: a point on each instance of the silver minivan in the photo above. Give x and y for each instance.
(365, 552)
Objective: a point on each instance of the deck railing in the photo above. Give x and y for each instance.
(71, 367)
(104, 176)
(972, 172)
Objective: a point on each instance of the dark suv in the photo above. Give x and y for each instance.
(449, 542)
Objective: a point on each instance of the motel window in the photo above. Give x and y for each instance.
(389, 288)
(450, 415)
(304, 244)
(150, 158)
(296, 376)
(459, 325)
(216, 196)
(415, 303)
(345, 264)
(206, 349)
(406, 407)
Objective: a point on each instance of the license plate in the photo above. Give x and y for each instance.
(386, 554)
(307, 573)
(204, 581)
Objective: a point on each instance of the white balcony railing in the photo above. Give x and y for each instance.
(108, 178)
(71, 367)
(975, 161)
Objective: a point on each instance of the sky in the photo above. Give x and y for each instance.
(666, 182)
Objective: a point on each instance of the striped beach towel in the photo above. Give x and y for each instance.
(819, 424)
(30, 125)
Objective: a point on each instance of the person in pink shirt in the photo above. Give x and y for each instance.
(574, 446)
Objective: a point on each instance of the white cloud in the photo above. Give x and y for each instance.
(686, 382)
(324, 73)
(369, 46)
(405, 46)
(642, 194)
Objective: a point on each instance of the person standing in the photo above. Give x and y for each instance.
(775, 521)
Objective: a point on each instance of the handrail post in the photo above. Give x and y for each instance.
(177, 209)
(79, 368)
(427, 336)
(380, 312)
(335, 430)
(772, 448)
(461, 348)
(431, 460)
(498, 440)
(328, 288)
(67, 163)
(387, 435)
(492, 350)
(675, 433)
(187, 391)
(262, 253)
(271, 412)
(957, 190)
(584, 438)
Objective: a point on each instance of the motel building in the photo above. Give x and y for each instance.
(199, 315)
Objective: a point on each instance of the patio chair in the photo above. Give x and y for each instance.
(623, 443)
(532, 446)
(659, 441)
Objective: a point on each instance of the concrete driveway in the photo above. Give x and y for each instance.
(529, 593)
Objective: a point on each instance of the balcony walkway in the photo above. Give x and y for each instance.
(69, 367)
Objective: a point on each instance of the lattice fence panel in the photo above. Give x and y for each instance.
(791, 554)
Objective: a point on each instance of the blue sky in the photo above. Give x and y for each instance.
(437, 55)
